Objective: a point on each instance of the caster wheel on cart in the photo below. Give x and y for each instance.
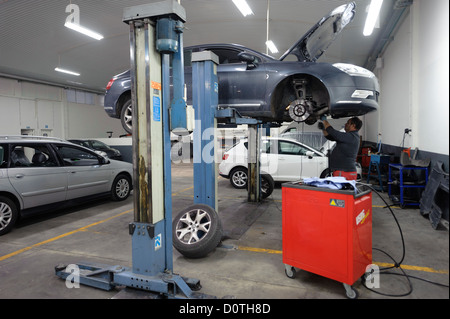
(290, 271)
(351, 292)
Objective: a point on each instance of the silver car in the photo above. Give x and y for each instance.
(38, 173)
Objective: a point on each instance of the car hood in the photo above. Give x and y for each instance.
(314, 43)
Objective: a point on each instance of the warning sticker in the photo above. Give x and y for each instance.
(337, 202)
(155, 85)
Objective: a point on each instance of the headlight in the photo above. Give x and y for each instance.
(354, 70)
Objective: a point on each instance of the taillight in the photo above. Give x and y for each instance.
(110, 83)
(225, 156)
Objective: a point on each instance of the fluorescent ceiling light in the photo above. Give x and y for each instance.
(67, 71)
(243, 6)
(79, 28)
(272, 47)
(372, 16)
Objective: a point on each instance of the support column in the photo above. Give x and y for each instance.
(253, 151)
(205, 101)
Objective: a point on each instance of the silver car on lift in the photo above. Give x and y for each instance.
(38, 174)
(259, 86)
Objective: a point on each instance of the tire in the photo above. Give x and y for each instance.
(8, 214)
(239, 177)
(196, 231)
(290, 272)
(267, 185)
(121, 188)
(126, 116)
(351, 293)
(326, 173)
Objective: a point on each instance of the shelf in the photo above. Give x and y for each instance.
(405, 184)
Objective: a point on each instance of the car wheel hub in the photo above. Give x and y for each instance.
(128, 117)
(122, 188)
(193, 226)
(298, 110)
(240, 178)
(5, 215)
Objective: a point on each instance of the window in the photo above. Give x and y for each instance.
(282, 148)
(288, 148)
(80, 97)
(227, 56)
(31, 155)
(73, 156)
(97, 145)
(3, 162)
(265, 146)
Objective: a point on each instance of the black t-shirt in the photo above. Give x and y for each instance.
(344, 154)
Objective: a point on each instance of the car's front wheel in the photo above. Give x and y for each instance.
(326, 173)
(8, 214)
(121, 187)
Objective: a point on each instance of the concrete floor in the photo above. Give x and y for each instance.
(248, 265)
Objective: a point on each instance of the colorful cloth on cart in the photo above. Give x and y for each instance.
(337, 182)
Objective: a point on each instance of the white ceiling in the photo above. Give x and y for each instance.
(33, 39)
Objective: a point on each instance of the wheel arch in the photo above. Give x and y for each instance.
(124, 97)
(14, 198)
(127, 174)
(237, 167)
(283, 93)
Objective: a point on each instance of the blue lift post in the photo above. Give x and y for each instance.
(155, 39)
(205, 101)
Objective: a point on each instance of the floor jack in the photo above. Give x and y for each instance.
(155, 38)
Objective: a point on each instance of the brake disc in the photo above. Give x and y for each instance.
(298, 110)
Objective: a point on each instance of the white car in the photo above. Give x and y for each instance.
(284, 159)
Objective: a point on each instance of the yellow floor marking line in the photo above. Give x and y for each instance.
(406, 267)
(183, 190)
(260, 250)
(243, 248)
(426, 269)
(84, 228)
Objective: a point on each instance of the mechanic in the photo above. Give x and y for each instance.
(343, 157)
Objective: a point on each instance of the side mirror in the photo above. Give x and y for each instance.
(103, 160)
(249, 59)
(310, 154)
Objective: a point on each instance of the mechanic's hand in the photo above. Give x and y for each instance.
(323, 118)
(321, 126)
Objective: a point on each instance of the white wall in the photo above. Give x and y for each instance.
(431, 77)
(415, 81)
(45, 109)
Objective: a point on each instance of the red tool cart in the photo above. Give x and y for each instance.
(327, 232)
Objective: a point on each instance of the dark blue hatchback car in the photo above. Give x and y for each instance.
(276, 90)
